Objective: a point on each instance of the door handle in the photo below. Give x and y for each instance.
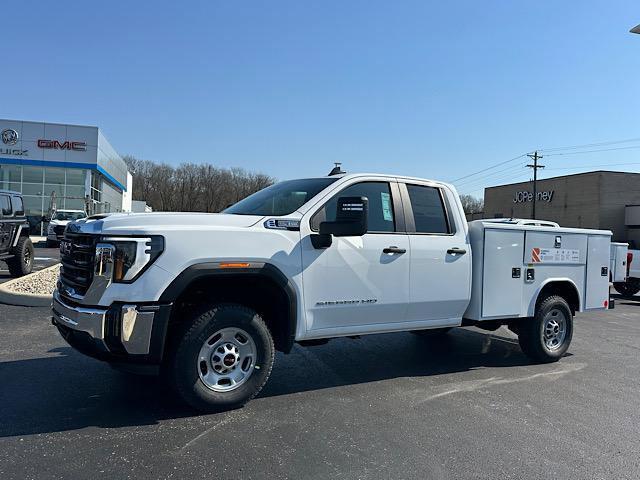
(394, 249)
(456, 251)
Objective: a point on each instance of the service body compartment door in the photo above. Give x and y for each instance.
(597, 289)
(503, 272)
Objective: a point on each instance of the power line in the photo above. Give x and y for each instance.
(596, 166)
(593, 151)
(491, 175)
(586, 145)
(489, 168)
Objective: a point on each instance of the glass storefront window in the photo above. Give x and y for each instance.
(33, 205)
(10, 173)
(54, 176)
(74, 192)
(59, 189)
(32, 174)
(76, 176)
(74, 204)
(10, 186)
(32, 189)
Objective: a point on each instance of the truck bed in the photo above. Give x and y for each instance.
(513, 263)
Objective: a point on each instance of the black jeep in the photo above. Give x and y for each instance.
(16, 248)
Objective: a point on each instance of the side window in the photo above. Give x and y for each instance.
(428, 210)
(381, 217)
(18, 206)
(5, 206)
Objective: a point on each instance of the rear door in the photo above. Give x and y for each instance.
(440, 274)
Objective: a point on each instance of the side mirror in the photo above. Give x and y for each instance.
(351, 218)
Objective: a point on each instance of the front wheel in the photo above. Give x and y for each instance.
(22, 261)
(223, 359)
(546, 337)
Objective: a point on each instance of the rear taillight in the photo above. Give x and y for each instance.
(629, 260)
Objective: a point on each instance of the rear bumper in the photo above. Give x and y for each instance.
(123, 333)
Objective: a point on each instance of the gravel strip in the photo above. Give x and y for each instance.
(38, 283)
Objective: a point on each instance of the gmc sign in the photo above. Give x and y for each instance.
(55, 144)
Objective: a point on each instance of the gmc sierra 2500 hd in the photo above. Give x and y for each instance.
(206, 299)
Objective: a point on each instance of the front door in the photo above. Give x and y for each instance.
(357, 282)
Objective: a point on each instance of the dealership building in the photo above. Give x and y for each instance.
(62, 166)
(601, 199)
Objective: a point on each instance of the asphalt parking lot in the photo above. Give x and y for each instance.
(385, 406)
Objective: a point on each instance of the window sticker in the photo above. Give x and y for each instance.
(386, 206)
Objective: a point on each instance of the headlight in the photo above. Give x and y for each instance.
(125, 258)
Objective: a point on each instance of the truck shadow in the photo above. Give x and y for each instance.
(68, 391)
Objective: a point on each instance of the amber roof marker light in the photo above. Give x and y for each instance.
(235, 265)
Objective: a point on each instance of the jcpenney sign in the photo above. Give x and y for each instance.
(521, 197)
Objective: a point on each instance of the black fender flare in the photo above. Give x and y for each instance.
(216, 269)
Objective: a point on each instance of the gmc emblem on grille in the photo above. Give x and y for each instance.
(66, 248)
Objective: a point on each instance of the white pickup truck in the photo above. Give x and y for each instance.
(630, 286)
(207, 299)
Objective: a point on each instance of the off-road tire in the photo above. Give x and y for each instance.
(531, 333)
(627, 289)
(183, 362)
(22, 261)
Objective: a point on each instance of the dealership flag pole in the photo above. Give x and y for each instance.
(535, 167)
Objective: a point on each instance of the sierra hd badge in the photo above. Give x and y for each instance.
(9, 136)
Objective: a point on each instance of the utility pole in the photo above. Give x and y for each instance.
(535, 167)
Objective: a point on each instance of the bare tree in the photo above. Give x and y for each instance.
(192, 187)
(471, 204)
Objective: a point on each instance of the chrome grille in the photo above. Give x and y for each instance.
(77, 254)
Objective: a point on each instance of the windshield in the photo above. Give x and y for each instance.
(282, 198)
(69, 216)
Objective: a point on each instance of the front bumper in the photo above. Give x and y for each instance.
(124, 333)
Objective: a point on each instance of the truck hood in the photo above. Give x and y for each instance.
(142, 223)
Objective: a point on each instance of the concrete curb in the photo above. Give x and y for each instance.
(24, 299)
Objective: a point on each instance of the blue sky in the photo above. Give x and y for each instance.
(430, 89)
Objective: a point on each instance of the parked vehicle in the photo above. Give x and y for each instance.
(631, 284)
(59, 221)
(207, 299)
(16, 248)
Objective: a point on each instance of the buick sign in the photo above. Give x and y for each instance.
(9, 136)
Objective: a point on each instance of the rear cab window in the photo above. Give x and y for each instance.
(381, 214)
(428, 207)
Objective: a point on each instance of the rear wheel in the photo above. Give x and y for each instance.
(224, 358)
(628, 288)
(547, 336)
(22, 261)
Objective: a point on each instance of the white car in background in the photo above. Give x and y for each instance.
(59, 221)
